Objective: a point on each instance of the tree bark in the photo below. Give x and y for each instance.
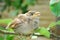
(58, 29)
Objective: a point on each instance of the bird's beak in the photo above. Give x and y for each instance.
(38, 13)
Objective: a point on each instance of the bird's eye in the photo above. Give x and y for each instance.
(31, 13)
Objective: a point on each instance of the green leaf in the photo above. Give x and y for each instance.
(52, 24)
(43, 31)
(58, 22)
(17, 3)
(55, 7)
(5, 21)
(53, 2)
(1, 38)
(10, 37)
(10, 30)
(1, 28)
(7, 36)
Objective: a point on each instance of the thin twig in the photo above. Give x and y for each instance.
(13, 33)
(6, 32)
(55, 35)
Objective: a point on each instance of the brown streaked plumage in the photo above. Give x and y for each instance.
(25, 23)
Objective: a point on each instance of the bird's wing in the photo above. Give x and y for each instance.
(13, 23)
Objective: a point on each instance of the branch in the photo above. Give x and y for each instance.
(13, 33)
(6, 32)
(52, 34)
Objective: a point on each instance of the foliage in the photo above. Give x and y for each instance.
(53, 24)
(5, 21)
(6, 36)
(43, 31)
(55, 7)
(20, 4)
(1, 0)
(1, 38)
(23, 5)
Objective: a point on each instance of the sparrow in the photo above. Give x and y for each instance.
(25, 23)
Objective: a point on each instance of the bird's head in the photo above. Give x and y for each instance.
(30, 13)
(36, 14)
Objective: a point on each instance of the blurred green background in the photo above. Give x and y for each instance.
(9, 9)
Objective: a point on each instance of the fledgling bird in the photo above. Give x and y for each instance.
(25, 23)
